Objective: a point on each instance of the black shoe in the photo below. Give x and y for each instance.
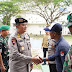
(44, 64)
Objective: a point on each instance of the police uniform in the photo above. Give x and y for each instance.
(20, 52)
(4, 48)
(67, 67)
(62, 48)
(51, 51)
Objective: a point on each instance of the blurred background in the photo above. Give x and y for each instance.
(39, 13)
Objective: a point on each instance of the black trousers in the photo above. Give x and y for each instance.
(44, 51)
(52, 67)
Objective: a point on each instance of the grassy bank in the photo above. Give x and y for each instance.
(39, 37)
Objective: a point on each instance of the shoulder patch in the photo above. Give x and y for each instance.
(13, 41)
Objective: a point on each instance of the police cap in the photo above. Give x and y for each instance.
(20, 20)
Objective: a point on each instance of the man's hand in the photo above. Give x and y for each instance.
(31, 66)
(41, 59)
(36, 60)
(46, 59)
(3, 68)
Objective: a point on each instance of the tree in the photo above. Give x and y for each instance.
(50, 10)
(7, 10)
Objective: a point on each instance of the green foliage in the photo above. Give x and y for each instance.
(52, 1)
(1, 23)
(26, 1)
(8, 9)
(18, 16)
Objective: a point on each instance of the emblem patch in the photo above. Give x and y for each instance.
(13, 41)
(61, 53)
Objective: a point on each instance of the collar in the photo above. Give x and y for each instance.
(21, 35)
(58, 40)
(2, 37)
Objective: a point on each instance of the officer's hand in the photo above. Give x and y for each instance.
(36, 60)
(31, 66)
(3, 68)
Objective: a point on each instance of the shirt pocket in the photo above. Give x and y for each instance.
(22, 47)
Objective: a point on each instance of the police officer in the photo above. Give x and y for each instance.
(4, 48)
(20, 58)
(68, 59)
(45, 42)
(51, 51)
(61, 45)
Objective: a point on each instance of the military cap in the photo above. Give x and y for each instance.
(57, 28)
(5, 27)
(20, 20)
(69, 18)
(46, 29)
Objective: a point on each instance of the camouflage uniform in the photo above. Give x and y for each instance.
(4, 51)
(68, 62)
(68, 59)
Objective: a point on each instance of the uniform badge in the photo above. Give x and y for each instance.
(19, 38)
(20, 20)
(17, 33)
(13, 41)
(22, 48)
(61, 53)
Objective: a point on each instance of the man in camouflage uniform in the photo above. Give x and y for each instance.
(68, 59)
(20, 58)
(4, 48)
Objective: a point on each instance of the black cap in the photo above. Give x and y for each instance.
(57, 28)
(20, 20)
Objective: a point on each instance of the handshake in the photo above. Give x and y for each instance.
(37, 60)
